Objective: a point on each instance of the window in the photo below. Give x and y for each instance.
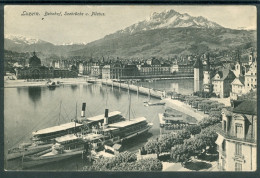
(238, 149)
(239, 131)
(238, 167)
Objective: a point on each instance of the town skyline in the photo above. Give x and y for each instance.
(88, 29)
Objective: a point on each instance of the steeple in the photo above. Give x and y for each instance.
(197, 64)
(208, 64)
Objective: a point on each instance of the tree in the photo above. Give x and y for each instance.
(194, 129)
(180, 153)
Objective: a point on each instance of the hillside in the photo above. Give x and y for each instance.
(169, 42)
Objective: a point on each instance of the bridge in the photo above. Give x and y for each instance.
(138, 89)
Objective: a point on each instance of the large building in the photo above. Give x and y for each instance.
(37, 71)
(222, 82)
(237, 138)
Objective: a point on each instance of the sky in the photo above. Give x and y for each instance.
(84, 29)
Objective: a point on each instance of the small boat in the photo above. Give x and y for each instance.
(53, 84)
(26, 149)
(147, 103)
(65, 147)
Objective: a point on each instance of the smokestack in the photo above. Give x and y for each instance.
(83, 110)
(106, 117)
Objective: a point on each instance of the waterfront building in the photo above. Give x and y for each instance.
(153, 67)
(106, 72)
(222, 82)
(96, 71)
(207, 85)
(198, 75)
(237, 138)
(80, 67)
(37, 71)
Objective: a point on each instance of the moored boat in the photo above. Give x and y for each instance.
(65, 147)
(27, 149)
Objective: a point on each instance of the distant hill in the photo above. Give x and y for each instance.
(164, 34)
(170, 41)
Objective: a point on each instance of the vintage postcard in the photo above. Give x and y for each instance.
(130, 88)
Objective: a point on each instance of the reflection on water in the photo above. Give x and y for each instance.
(73, 87)
(35, 93)
(38, 107)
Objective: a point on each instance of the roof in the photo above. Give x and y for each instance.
(66, 138)
(227, 112)
(117, 146)
(198, 63)
(57, 128)
(246, 107)
(239, 81)
(92, 136)
(101, 117)
(223, 73)
(127, 123)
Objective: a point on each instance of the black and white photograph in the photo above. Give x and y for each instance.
(126, 88)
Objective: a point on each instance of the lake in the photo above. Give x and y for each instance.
(27, 109)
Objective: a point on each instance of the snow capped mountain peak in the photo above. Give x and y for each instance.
(20, 39)
(170, 19)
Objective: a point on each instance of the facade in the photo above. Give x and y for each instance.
(96, 71)
(251, 78)
(237, 138)
(238, 87)
(222, 82)
(198, 75)
(207, 85)
(37, 71)
(106, 72)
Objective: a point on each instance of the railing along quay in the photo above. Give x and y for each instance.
(139, 89)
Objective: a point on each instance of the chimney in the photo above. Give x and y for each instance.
(83, 110)
(106, 117)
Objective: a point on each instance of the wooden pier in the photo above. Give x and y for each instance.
(138, 89)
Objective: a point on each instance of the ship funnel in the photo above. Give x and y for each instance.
(83, 110)
(106, 117)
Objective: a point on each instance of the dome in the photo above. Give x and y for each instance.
(34, 61)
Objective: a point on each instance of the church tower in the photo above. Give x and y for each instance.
(207, 86)
(251, 58)
(238, 66)
(198, 75)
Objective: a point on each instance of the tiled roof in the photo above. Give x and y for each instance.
(246, 107)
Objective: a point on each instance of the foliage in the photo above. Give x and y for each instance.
(208, 121)
(193, 129)
(140, 165)
(180, 153)
(195, 146)
(103, 164)
(119, 164)
(165, 142)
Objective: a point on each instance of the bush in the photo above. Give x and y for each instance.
(105, 164)
(140, 165)
(194, 129)
(113, 164)
(180, 153)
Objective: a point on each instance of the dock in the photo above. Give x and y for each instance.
(138, 89)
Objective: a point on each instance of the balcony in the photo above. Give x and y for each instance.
(227, 135)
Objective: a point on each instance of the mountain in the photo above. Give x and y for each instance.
(169, 19)
(164, 34)
(19, 43)
(167, 34)
(169, 42)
